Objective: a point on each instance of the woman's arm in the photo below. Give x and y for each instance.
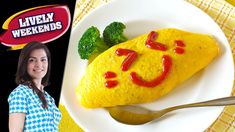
(16, 122)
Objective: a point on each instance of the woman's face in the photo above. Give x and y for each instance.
(37, 64)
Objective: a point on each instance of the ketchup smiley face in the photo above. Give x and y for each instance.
(132, 55)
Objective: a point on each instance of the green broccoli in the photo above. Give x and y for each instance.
(91, 44)
(113, 33)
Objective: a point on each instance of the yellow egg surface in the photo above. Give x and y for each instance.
(198, 51)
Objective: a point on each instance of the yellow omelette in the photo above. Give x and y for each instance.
(145, 68)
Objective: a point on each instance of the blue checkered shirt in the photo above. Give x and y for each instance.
(37, 119)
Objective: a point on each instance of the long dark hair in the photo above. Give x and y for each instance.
(22, 76)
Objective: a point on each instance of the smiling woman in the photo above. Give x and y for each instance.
(30, 107)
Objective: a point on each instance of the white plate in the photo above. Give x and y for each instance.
(142, 16)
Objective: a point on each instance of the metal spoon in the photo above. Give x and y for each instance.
(136, 115)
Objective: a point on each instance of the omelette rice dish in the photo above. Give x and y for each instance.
(145, 68)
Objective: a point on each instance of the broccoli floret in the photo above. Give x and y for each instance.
(91, 44)
(113, 33)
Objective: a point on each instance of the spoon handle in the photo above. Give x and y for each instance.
(215, 102)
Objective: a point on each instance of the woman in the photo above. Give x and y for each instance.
(30, 107)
